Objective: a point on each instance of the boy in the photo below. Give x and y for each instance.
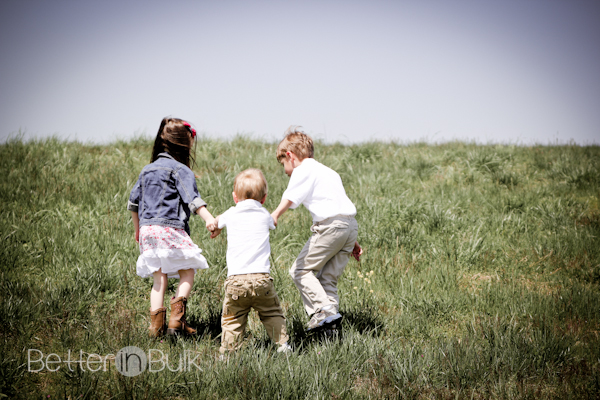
(322, 260)
(248, 283)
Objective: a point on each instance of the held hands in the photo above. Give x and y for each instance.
(357, 251)
(213, 227)
(211, 222)
(215, 233)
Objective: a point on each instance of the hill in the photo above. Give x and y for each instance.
(480, 277)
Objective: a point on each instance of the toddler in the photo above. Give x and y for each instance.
(248, 283)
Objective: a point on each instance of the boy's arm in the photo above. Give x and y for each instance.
(136, 225)
(283, 207)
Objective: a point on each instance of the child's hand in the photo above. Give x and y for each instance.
(136, 225)
(213, 225)
(215, 233)
(283, 207)
(357, 251)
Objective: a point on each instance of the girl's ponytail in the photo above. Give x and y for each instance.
(174, 136)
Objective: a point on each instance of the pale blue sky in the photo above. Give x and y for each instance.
(510, 71)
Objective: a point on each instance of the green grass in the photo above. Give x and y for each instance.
(480, 277)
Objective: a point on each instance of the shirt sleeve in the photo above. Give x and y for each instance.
(269, 220)
(185, 182)
(271, 223)
(134, 198)
(298, 189)
(223, 219)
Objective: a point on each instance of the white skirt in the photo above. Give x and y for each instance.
(168, 250)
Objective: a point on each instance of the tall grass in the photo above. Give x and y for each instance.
(480, 277)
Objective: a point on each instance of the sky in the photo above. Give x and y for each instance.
(511, 71)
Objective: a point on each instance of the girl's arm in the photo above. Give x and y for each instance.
(283, 207)
(207, 217)
(136, 225)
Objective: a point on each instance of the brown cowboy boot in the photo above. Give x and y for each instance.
(177, 323)
(157, 322)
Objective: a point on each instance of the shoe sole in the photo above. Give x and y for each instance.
(331, 332)
(179, 332)
(332, 319)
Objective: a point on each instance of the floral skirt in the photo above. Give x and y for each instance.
(169, 250)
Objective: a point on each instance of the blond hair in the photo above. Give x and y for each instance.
(297, 142)
(250, 184)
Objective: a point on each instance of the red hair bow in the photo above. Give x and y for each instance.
(190, 128)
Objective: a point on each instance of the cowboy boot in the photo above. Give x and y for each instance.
(157, 322)
(177, 323)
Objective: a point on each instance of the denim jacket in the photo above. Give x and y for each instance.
(165, 194)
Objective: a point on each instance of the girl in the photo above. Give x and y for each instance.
(161, 203)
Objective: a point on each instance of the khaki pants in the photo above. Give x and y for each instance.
(322, 261)
(242, 293)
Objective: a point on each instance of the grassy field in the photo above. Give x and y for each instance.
(480, 277)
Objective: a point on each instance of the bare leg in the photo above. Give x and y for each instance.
(157, 294)
(186, 281)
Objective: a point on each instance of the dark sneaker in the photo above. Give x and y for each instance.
(323, 318)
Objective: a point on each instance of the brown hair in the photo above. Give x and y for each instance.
(297, 142)
(176, 137)
(250, 184)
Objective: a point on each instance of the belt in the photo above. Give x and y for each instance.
(339, 216)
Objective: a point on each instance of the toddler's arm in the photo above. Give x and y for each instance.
(283, 207)
(136, 225)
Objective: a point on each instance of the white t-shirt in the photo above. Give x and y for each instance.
(320, 189)
(248, 246)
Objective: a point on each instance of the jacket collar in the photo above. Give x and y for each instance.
(166, 155)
